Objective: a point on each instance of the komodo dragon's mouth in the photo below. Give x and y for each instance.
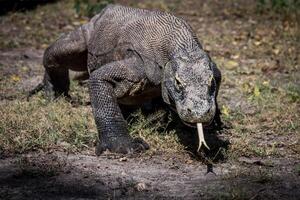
(194, 125)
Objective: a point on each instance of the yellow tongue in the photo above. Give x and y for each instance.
(201, 136)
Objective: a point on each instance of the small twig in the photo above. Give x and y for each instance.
(256, 195)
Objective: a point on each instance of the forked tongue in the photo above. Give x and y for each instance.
(201, 136)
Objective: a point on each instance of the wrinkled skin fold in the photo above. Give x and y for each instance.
(132, 56)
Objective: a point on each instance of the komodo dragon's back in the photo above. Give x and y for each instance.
(153, 34)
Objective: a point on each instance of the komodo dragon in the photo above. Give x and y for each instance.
(132, 56)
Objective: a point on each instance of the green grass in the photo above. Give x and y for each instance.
(153, 129)
(275, 115)
(39, 124)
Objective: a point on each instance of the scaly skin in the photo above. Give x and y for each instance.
(132, 56)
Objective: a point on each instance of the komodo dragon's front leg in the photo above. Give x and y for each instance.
(107, 84)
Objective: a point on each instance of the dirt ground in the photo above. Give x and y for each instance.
(255, 157)
(62, 176)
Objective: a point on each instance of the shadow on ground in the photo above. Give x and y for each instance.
(20, 5)
(51, 176)
(188, 136)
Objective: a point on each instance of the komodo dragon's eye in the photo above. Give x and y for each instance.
(178, 82)
(210, 81)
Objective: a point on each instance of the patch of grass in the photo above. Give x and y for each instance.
(153, 129)
(38, 27)
(90, 8)
(297, 169)
(275, 116)
(79, 93)
(293, 93)
(278, 5)
(264, 176)
(38, 124)
(158, 5)
(42, 124)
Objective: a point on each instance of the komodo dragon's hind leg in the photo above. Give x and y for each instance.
(107, 83)
(68, 52)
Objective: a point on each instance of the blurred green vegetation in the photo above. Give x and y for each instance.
(278, 5)
(90, 8)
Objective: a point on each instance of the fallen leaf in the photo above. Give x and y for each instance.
(208, 48)
(83, 21)
(257, 43)
(225, 111)
(15, 78)
(246, 87)
(189, 161)
(231, 65)
(256, 91)
(140, 186)
(266, 83)
(236, 56)
(25, 69)
(44, 46)
(276, 51)
(76, 23)
(123, 159)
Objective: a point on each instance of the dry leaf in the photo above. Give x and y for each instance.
(15, 78)
(257, 43)
(236, 56)
(276, 51)
(76, 23)
(140, 186)
(225, 111)
(231, 65)
(123, 159)
(44, 46)
(256, 91)
(83, 21)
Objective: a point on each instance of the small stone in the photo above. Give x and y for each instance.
(123, 173)
(123, 159)
(189, 161)
(140, 186)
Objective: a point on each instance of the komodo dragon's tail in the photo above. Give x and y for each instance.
(35, 90)
(81, 77)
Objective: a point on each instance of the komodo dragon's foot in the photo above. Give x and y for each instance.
(123, 145)
(52, 93)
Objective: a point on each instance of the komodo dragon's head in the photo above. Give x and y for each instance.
(189, 85)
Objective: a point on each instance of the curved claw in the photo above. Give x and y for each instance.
(140, 145)
(201, 137)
